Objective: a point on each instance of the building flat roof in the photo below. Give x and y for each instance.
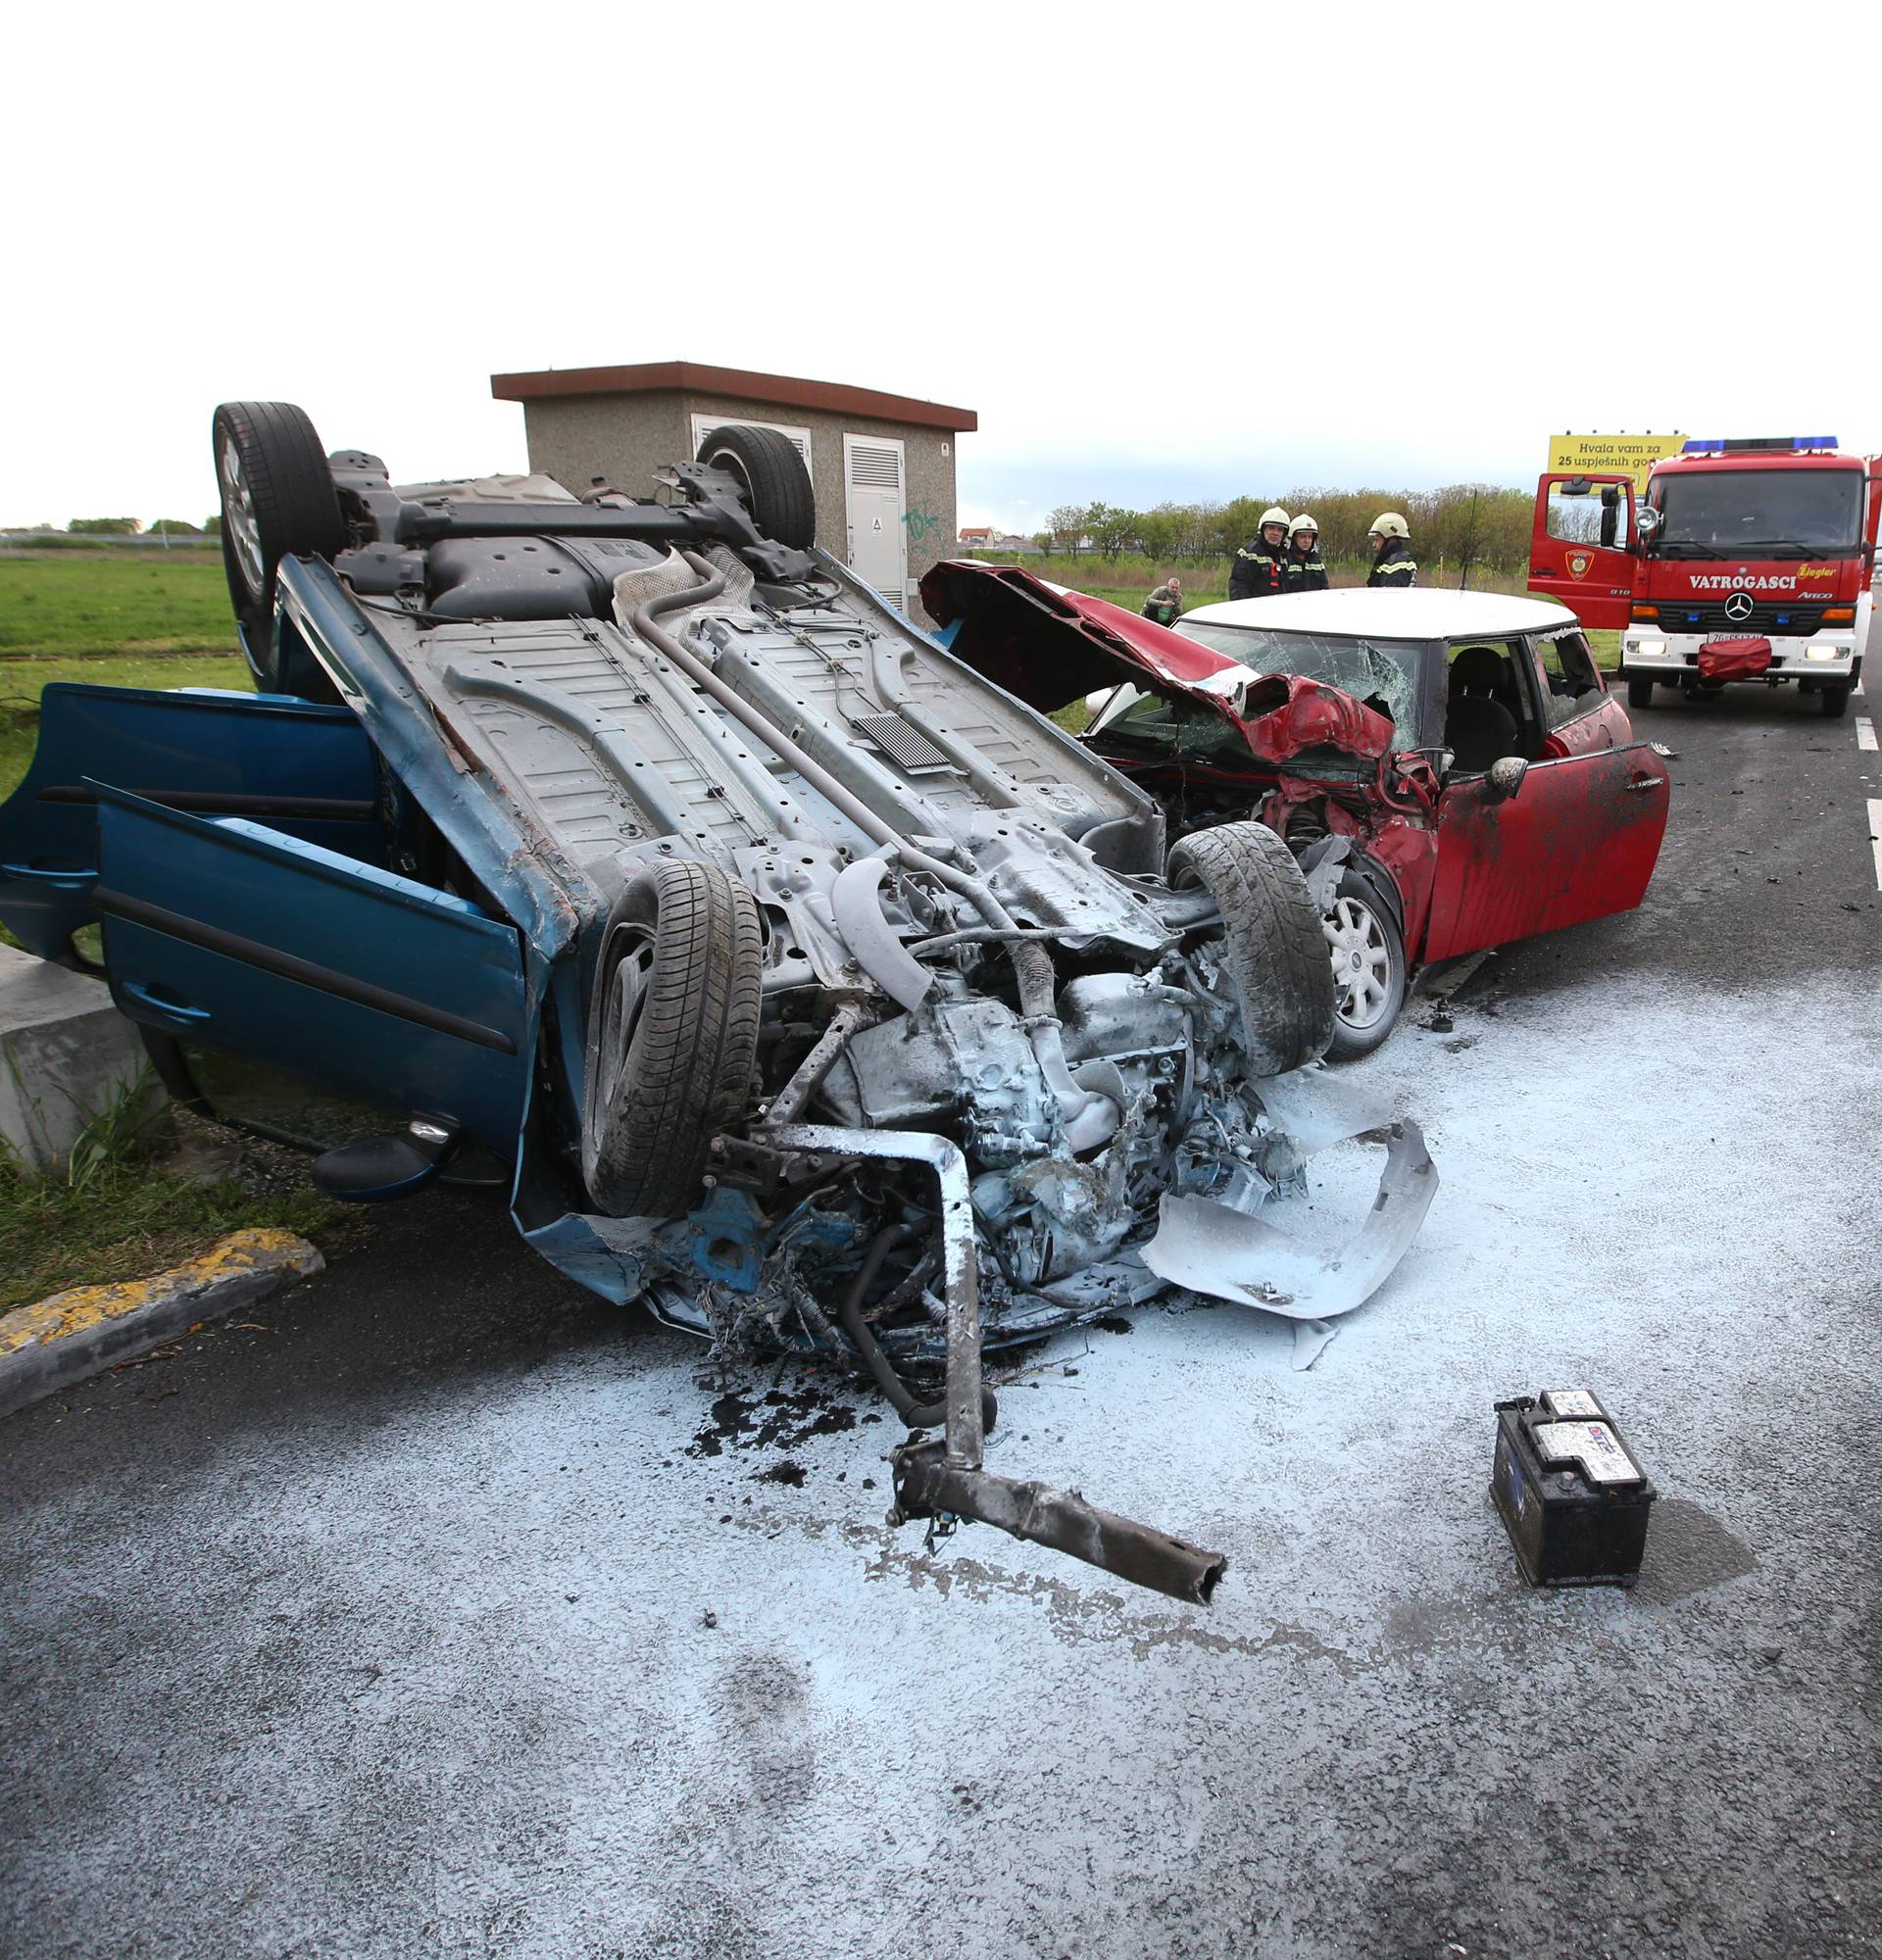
(776, 390)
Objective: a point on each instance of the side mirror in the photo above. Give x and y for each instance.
(1505, 778)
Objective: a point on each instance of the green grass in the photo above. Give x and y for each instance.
(88, 602)
(115, 1212)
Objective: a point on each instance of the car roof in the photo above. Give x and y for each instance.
(1425, 613)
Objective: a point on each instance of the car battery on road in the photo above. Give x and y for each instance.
(1571, 1496)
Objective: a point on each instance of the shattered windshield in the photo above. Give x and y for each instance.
(1759, 513)
(1383, 674)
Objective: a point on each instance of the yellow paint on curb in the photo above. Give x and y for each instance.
(79, 1308)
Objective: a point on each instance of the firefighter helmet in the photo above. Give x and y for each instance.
(1389, 524)
(1304, 524)
(1275, 514)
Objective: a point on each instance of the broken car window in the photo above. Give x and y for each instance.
(1382, 674)
(1569, 672)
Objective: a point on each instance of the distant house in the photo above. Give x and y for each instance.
(998, 544)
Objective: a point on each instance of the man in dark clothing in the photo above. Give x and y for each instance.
(1306, 570)
(1392, 562)
(1258, 570)
(1165, 604)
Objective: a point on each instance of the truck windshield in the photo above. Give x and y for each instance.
(1382, 674)
(1759, 514)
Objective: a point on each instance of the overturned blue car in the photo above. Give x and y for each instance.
(811, 988)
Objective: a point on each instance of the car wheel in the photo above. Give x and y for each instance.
(1367, 962)
(772, 481)
(1835, 700)
(1273, 953)
(1640, 692)
(277, 502)
(672, 1037)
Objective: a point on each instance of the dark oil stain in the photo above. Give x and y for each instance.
(782, 1472)
(774, 1420)
(1114, 1323)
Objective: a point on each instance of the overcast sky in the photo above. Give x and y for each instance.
(1164, 252)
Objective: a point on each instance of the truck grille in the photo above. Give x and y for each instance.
(1708, 616)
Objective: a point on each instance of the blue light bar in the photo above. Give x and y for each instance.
(1713, 445)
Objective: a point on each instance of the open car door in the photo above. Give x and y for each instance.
(245, 939)
(1581, 547)
(1578, 840)
(306, 769)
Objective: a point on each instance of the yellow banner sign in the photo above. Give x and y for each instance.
(1612, 455)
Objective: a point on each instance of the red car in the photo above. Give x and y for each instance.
(1448, 768)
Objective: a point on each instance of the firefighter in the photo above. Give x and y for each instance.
(1306, 570)
(1165, 604)
(1259, 570)
(1392, 562)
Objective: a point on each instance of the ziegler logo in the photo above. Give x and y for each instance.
(1579, 564)
(1816, 571)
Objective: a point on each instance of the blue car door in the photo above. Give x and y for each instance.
(298, 766)
(243, 938)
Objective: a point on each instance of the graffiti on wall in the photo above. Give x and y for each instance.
(921, 521)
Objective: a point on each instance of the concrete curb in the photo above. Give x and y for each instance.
(77, 1333)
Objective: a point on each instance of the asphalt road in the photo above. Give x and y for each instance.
(442, 1608)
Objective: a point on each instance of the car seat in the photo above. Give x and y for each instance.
(1477, 727)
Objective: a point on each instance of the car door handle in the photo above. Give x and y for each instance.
(175, 1011)
(60, 881)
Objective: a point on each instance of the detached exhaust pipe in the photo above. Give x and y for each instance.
(942, 1477)
(929, 1486)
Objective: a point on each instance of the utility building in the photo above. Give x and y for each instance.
(881, 466)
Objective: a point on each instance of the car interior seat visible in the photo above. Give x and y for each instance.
(1477, 727)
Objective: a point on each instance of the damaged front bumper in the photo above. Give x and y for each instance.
(1208, 1247)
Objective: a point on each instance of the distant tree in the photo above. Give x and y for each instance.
(1043, 539)
(213, 526)
(1164, 532)
(1067, 523)
(97, 526)
(178, 527)
(1112, 529)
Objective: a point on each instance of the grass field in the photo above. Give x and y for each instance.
(113, 620)
(86, 604)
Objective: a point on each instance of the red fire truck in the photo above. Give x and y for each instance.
(1744, 561)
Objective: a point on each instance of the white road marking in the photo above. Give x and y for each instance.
(1865, 732)
(1875, 837)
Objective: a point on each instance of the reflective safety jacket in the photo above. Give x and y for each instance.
(1306, 574)
(1256, 573)
(1395, 566)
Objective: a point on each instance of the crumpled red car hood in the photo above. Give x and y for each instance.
(1049, 647)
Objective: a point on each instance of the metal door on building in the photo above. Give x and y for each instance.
(878, 539)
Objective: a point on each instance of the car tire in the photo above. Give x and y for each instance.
(1640, 692)
(773, 482)
(1835, 700)
(1368, 995)
(672, 1037)
(278, 501)
(1274, 954)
